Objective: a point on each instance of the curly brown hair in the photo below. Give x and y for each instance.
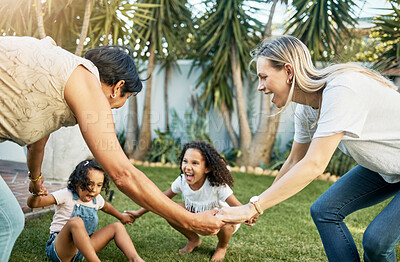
(219, 173)
(79, 179)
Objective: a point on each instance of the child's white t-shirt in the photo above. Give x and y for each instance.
(65, 207)
(369, 114)
(206, 198)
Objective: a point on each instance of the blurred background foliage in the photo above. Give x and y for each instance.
(218, 38)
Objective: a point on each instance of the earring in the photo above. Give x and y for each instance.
(113, 95)
(288, 81)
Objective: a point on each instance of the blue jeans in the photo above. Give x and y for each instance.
(11, 220)
(359, 188)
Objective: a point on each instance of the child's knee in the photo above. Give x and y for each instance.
(228, 228)
(118, 226)
(76, 222)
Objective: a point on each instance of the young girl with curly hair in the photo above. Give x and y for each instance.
(204, 184)
(72, 232)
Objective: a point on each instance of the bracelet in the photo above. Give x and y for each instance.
(34, 179)
(258, 208)
(256, 204)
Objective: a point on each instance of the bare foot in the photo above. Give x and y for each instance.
(191, 244)
(219, 254)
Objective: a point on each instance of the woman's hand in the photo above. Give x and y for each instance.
(206, 223)
(238, 214)
(252, 221)
(37, 188)
(133, 213)
(127, 219)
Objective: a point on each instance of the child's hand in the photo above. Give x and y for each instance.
(37, 187)
(134, 214)
(252, 221)
(127, 219)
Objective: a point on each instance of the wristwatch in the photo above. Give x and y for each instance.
(256, 204)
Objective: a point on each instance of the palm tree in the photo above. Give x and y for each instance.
(267, 109)
(18, 17)
(85, 27)
(319, 24)
(39, 17)
(268, 27)
(227, 34)
(169, 63)
(387, 29)
(111, 22)
(170, 25)
(63, 21)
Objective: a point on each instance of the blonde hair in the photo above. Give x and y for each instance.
(290, 50)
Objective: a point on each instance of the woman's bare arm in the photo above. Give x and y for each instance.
(294, 180)
(297, 153)
(138, 213)
(86, 99)
(34, 159)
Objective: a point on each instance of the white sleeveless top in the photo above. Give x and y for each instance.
(33, 75)
(206, 198)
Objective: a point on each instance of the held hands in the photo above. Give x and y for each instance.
(252, 221)
(206, 223)
(126, 218)
(133, 213)
(238, 214)
(37, 188)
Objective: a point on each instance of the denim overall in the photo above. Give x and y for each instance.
(90, 219)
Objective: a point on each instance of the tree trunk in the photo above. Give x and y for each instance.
(255, 149)
(145, 131)
(261, 145)
(106, 40)
(39, 16)
(244, 127)
(132, 128)
(268, 27)
(166, 106)
(85, 28)
(267, 130)
(264, 138)
(227, 120)
(23, 19)
(59, 40)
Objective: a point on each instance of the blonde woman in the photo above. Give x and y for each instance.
(343, 106)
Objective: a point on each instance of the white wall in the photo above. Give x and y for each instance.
(64, 150)
(12, 152)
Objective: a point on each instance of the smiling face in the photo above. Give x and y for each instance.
(194, 168)
(96, 178)
(273, 81)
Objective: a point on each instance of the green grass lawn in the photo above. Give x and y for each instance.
(285, 232)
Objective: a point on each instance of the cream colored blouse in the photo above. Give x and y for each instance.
(33, 75)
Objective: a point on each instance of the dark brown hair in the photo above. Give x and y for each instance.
(219, 173)
(79, 179)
